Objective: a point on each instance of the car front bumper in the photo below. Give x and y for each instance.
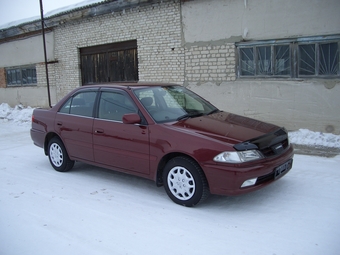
(237, 179)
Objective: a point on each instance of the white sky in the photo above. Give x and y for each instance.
(13, 10)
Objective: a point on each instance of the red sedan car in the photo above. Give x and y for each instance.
(166, 133)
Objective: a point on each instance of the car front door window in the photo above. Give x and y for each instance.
(112, 106)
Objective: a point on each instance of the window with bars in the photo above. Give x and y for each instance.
(319, 59)
(292, 59)
(21, 76)
(265, 60)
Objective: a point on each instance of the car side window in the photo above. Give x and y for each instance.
(81, 104)
(113, 105)
(66, 107)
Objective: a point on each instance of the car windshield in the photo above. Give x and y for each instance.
(173, 103)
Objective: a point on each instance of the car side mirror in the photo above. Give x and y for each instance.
(131, 118)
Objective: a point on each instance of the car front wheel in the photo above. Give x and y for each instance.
(58, 156)
(184, 181)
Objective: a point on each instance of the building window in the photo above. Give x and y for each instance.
(21, 76)
(319, 59)
(282, 60)
(247, 60)
(262, 61)
(109, 62)
(303, 57)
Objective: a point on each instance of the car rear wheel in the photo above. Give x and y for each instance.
(58, 156)
(184, 181)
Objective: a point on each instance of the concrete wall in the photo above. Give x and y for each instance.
(210, 30)
(34, 96)
(233, 20)
(312, 105)
(28, 51)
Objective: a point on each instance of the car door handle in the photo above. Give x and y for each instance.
(59, 123)
(99, 131)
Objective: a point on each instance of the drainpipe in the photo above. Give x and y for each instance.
(44, 42)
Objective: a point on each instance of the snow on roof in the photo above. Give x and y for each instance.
(56, 12)
(80, 5)
(18, 22)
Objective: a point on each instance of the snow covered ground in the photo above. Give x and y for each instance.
(90, 210)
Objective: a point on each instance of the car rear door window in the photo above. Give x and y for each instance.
(81, 104)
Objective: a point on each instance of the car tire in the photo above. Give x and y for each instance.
(58, 156)
(185, 182)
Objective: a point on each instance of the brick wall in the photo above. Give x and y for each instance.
(41, 74)
(156, 27)
(2, 78)
(209, 63)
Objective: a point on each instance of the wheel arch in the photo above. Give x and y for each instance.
(48, 138)
(165, 159)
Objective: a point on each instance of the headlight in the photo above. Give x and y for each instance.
(238, 156)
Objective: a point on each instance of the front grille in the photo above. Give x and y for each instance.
(271, 144)
(276, 149)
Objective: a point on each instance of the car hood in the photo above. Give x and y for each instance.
(226, 127)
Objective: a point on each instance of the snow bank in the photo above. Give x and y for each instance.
(19, 114)
(22, 116)
(315, 139)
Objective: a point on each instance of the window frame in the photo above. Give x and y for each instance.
(295, 52)
(19, 73)
(117, 105)
(68, 107)
(319, 59)
(257, 61)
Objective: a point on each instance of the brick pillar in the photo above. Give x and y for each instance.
(2, 78)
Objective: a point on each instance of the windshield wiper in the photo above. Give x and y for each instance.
(189, 115)
(193, 115)
(213, 111)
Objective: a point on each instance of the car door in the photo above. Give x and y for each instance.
(119, 145)
(74, 123)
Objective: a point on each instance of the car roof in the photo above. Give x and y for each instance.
(130, 84)
(124, 85)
